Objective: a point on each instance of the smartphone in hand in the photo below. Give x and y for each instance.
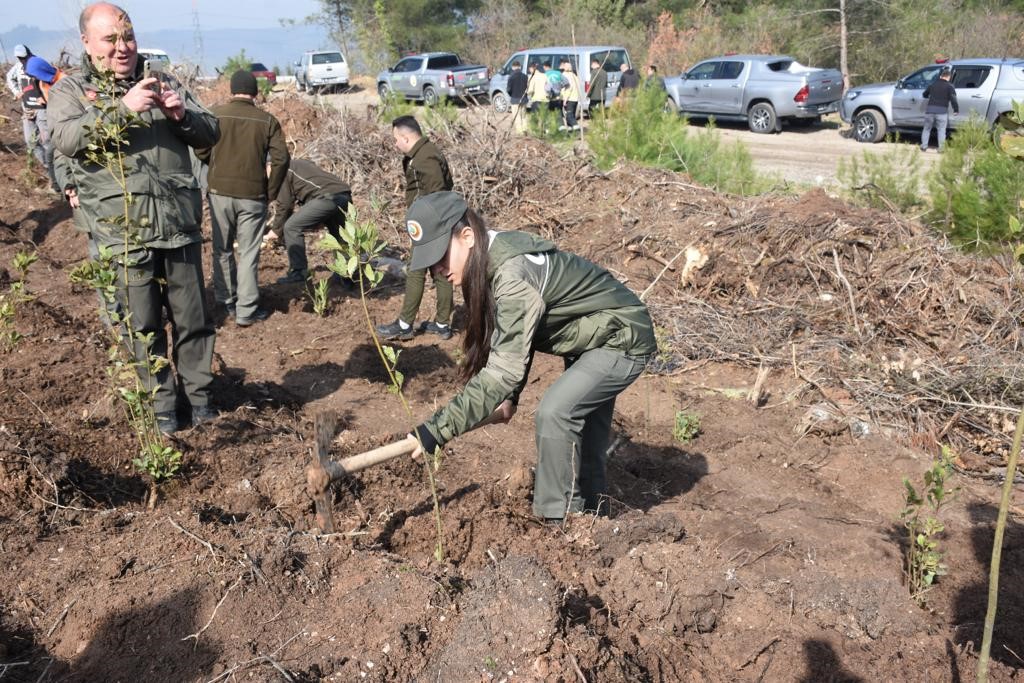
(154, 68)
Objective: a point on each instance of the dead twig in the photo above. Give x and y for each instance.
(60, 617)
(224, 597)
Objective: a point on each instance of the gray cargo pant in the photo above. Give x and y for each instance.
(242, 221)
(329, 212)
(172, 278)
(573, 423)
(940, 121)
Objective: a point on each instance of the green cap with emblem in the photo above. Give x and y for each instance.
(429, 221)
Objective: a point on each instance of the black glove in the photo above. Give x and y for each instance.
(426, 439)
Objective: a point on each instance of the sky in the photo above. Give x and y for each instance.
(153, 15)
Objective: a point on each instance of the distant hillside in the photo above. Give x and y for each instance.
(272, 46)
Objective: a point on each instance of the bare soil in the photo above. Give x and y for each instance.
(760, 551)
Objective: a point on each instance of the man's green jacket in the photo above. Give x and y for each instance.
(165, 205)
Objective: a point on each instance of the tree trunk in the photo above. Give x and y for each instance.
(843, 46)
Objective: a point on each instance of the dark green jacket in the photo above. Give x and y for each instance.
(598, 84)
(426, 171)
(166, 201)
(545, 300)
(248, 136)
(305, 181)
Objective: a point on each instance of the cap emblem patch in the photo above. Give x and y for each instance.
(415, 230)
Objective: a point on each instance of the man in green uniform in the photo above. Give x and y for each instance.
(239, 193)
(164, 265)
(324, 199)
(426, 171)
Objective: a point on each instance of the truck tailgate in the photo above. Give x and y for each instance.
(471, 77)
(825, 85)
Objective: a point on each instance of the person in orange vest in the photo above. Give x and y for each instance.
(43, 76)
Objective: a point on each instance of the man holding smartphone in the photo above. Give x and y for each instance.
(164, 261)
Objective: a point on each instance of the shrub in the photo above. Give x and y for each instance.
(640, 129)
(686, 427)
(239, 62)
(976, 190)
(890, 180)
(441, 116)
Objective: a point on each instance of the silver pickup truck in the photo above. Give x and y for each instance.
(763, 90)
(984, 87)
(431, 76)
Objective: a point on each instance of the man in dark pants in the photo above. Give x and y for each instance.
(239, 194)
(324, 199)
(164, 264)
(598, 84)
(940, 95)
(517, 96)
(426, 171)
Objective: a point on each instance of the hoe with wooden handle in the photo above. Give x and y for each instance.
(323, 470)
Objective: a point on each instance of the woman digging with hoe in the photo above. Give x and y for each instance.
(523, 295)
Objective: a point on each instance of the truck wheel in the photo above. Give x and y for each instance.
(383, 91)
(670, 106)
(499, 101)
(299, 85)
(430, 96)
(869, 126)
(761, 118)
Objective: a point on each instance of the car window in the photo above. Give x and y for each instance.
(539, 58)
(919, 80)
(408, 64)
(557, 60)
(443, 62)
(507, 69)
(702, 72)
(729, 70)
(780, 65)
(328, 58)
(610, 60)
(257, 66)
(970, 76)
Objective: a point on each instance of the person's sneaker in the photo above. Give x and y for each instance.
(167, 422)
(395, 331)
(259, 316)
(293, 277)
(229, 310)
(442, 331)
(201, 414)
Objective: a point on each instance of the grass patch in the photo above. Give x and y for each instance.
(639, 129)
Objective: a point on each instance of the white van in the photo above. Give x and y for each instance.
(610, 56)
(321, 69)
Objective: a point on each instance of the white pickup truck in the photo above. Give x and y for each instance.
(321, 69)
(763, 90)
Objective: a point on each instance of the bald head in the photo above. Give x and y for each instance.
(109, 38)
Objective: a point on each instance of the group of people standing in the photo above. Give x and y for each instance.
(522, 294)
(544, 88)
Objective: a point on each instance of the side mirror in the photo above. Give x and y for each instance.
(900, 85)
(683, 75)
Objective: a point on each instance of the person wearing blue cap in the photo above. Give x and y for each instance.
(33, 108)
(523, 295)
(44, 75)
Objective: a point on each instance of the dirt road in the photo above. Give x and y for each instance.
(798, 155)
